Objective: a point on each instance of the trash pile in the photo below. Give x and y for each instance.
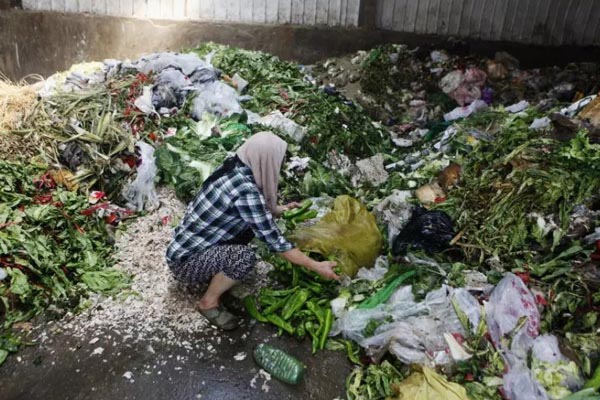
(460, 197)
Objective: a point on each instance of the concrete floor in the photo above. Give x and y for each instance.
(66, 368)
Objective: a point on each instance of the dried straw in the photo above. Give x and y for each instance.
(17, 102)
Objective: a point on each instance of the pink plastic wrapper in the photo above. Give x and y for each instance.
(465, 87)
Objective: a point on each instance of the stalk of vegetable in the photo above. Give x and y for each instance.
(594, 381)
(384, 294)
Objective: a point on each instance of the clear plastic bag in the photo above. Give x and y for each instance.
(416, 333)
(520, 384)
(141, 193)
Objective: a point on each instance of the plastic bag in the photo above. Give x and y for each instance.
(556, 373)
(431, 231)
(277, 120)
(426, 384)
(395, 212)
(141, 194)
(349, 233)
(416, 333)
(215, 98)
(510, 301)
(519, 384)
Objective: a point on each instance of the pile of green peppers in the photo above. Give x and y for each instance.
(301, 309)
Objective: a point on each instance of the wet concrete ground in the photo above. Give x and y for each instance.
(69, 368)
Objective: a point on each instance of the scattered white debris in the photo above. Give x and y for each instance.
(240, 356)
(128, 375)
(517, 107)
(94, 340)
(97, 351)
(540, 123)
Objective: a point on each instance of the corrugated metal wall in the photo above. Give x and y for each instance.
(300, 12)
(549, 22)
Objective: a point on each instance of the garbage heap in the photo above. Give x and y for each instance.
(458, 194)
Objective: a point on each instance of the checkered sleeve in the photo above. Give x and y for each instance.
(253, 210)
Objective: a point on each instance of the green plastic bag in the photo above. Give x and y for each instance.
(348, 233)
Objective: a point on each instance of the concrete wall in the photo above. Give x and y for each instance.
(545, 22)
(300, 12)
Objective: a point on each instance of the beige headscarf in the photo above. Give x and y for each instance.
(264, 153)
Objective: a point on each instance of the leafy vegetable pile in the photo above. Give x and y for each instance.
(51, 247)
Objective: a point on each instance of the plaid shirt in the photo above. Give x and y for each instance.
(221, 211)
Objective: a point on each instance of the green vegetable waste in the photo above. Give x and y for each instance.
(52, 252)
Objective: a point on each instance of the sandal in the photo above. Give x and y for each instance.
(221, 318)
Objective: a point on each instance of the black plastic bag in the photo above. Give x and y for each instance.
(431, 231)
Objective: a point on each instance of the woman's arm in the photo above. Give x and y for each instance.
(323, 268)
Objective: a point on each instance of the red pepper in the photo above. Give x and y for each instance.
(540, 299)
(596, 255)
(42, 199)
(152, 136)
(469, 377)
(45, 181)
(111, 219)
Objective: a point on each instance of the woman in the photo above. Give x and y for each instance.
(237, 202)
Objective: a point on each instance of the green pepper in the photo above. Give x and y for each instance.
(305, 216)
(295, 277)
(301, 210)
(313, 332)
(280, 323)
(277, 293)
(594, 381)
(295, 302)
(352, 356)
(280, 304)
(250, 306)
(313, 286)
(317, 311)
(325, 328)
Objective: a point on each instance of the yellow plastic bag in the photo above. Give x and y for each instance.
(426, 384)
(348, 233)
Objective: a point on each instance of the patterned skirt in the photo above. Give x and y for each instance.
(235, 261)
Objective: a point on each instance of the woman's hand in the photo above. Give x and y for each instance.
(291, 206)
(325, 269)
(287, 207)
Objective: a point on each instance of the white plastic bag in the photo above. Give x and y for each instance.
(510, 301)
(215, 98)
(416, 333)
(141, 193)
(278, 121)
(520, 384)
